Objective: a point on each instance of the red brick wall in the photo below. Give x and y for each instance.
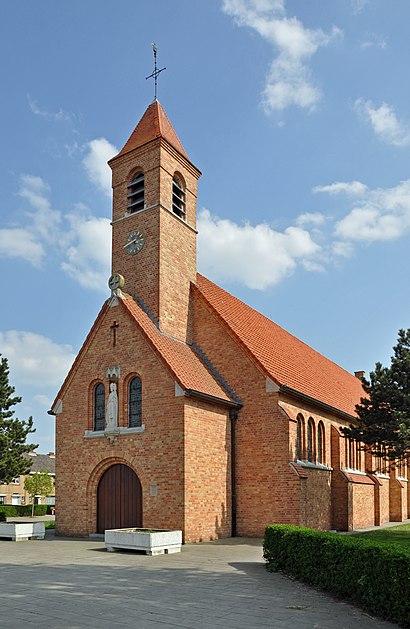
(160, 274)
(267, 489)
(207, 472)
(361, 507)
(156, 455)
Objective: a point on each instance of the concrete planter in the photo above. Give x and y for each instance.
(22, 531)
(151, 541)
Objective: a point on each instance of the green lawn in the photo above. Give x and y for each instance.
(397, 534)
(50, 524)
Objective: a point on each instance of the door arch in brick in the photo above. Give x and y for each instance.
(119, 499)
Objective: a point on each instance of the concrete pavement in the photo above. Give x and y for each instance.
(65, 583)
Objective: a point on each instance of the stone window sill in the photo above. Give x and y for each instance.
(402, 478)
(315, 466)
(379, 475)
(120, 431)
(351, 470)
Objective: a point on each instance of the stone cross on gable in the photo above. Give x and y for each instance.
(114, 328)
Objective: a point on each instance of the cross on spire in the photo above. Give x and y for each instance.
(156, 72)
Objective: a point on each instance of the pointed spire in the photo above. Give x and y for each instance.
(153, 124)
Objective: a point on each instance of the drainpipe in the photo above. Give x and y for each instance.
(233, 415)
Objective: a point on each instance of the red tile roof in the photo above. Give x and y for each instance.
(188, 369)
(153, 124)
(284, 358)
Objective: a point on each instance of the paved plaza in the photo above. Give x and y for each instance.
(62, 583)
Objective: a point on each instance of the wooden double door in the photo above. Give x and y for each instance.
(119, 499)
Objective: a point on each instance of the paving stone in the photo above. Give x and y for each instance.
(75, 584)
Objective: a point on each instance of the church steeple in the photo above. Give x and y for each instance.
(154, 220)
(153, 124)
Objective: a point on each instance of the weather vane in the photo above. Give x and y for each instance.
(156, 72)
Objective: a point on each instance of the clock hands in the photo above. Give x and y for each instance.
(130, 242)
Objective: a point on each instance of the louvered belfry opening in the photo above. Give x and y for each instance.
(178, 197)
(119, 499)
(135, 196)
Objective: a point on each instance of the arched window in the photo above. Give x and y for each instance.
(135, 196)
(99, 406)
(311, 441)
(135, 403)
(321, 443)
(300, 438)
(178, 196)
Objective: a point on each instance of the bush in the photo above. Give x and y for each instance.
(13, 511)
(2, 517)
(374, 575)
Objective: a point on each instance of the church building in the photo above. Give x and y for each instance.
(187, 409)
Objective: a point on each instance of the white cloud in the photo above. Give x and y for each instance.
(288, 81)
(89, 254)
(311, 218)
(383, 215)
(80, 241)
(59, 115)
(353, 188)
(21, 243)
(386, 125)
(256, 256)
(359, 5)
(373, 40)
(35, 359)
(43, 400)
(342, 249)
(95, 163)
(45, 220)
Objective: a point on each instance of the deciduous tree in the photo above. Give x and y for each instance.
(38, 484)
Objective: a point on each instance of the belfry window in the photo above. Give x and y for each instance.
(135, 403)
(178, 197)
(99, 406)
(135, 196)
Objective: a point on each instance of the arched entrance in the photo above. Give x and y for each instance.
(119, 499)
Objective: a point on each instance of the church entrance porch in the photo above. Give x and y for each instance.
(119, 499)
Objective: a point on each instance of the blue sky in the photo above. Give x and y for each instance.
(297, 113)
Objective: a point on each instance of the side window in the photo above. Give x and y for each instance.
(300, 438)
(178, 196)
(311, 455)
(99, 406)
(135, 195)
(321, 443)
(135, 403)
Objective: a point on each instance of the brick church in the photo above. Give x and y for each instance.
(187, 409)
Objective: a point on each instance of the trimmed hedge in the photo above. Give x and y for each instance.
(374, 575)
(13, 511)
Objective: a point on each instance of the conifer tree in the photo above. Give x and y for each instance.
(384, 415)
(13, 432)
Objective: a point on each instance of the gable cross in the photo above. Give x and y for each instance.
(114, 327)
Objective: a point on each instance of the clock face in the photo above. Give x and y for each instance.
(135, 242)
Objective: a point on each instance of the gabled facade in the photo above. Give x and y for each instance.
(187, 409)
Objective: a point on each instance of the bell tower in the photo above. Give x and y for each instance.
(154, 220)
